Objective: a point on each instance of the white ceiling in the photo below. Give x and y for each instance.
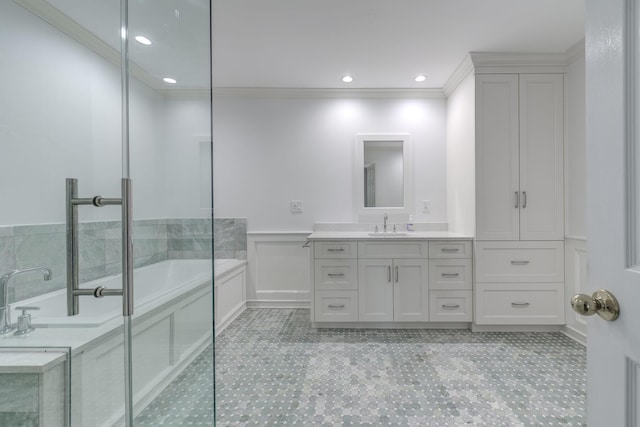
(313, 43)
(381, 43)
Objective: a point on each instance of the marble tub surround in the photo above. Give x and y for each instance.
(155, 240)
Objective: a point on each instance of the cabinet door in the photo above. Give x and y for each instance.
(497, 157)
(375, 290)
(541, 157)
(410, 290)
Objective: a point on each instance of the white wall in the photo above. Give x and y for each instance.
(269, 151)
(60, 116)
(461, 201)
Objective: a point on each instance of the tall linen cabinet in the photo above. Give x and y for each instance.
(519, 247)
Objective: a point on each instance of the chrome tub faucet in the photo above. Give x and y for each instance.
(5, 308)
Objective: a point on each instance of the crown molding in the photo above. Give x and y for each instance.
(299, 93)
(498, 62)
(70, 27)
(576, 52)
(464, 69)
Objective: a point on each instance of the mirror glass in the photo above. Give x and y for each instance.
(383, 174)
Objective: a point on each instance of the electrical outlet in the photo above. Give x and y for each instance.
(296, 206)
(426, 206)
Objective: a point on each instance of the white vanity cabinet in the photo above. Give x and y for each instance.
(392, 281)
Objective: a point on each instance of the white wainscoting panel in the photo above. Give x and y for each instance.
(575, 283)
(278, 270)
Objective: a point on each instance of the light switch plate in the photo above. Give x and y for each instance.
(296, 206)
(426, 206)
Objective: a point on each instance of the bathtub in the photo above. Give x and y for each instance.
(172, 325)
(153, 285)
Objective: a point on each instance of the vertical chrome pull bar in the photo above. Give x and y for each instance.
(127, 248)
(72, 247)
(73, 282)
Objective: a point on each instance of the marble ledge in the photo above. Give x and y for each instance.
(14, 362)
(411, 235)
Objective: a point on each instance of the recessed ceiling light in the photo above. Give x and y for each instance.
(143, 40)
(347, 79)
(169, 80)
(420, 78)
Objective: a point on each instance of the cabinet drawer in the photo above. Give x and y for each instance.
(450, 274)
(336, 306)
(335, 249)
(518, 304)
(450, 249)
(519, 262)
(336, 274)
(406, 249)
(450, 306)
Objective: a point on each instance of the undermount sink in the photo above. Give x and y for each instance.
(388, 234)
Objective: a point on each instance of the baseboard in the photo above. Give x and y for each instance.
(231, 317)
(278, 304)
(576, 335)
(516, 328)
(391, 325)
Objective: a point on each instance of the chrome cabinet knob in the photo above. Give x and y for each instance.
(602, 302)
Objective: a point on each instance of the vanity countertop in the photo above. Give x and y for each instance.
(363, 235)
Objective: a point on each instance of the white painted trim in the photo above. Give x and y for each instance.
(576, 335)
(579, 238)
(68, 26)
(278, 304)
(266, 234)
(392, 325)
(464, 69)
(516, 328)
(237, 311)
(500, 63)
(315, 93)
(576, 52)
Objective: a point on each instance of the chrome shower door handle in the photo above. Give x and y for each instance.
(73, 282)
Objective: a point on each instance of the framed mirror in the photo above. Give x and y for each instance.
(382, 175)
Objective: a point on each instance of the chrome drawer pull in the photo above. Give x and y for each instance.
(519, 262)
(335, 274)
(450, 274)
(336, 306)
(335, 250)
(520, 304)
(517, 199)
(450, 249)
(450, 307)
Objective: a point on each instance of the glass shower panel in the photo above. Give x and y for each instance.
(60, 117)
(170, 129)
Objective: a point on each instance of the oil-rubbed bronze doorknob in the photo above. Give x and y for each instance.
(602, 302)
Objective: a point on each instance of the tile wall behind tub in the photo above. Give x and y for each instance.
(155, 240)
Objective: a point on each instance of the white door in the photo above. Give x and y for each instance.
(375, 290)
(410, 290)
(541, 157)
(613, 350)
(497, 154)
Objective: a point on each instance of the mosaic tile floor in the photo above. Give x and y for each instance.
(274, 369)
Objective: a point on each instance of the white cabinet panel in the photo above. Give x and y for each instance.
(404, 249)
(497, 157)
(450, 249)
(375, 290)
(517, 304)
(519, 262)
(450, 274)
(541, 157)
(411, 291)
(336, 274)
(336, 306)
(450, 306)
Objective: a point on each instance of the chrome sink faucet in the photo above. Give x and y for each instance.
(384, 226)
(5, 309)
